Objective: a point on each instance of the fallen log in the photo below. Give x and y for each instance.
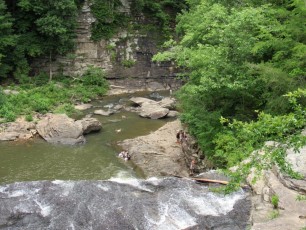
(209, 180)
(204, 180)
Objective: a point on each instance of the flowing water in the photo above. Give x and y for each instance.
(96, 160)
(153, 204)
(46, 186)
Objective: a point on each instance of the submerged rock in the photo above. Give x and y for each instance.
(152, 204)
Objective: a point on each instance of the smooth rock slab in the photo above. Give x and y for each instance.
(153, 204)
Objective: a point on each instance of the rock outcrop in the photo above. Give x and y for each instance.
(59, 128)
(90, 125)
(291, 212)
(154, 109)
(17, 130)
(158, 154)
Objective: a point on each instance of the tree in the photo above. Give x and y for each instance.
(7, 39)
(44, 29)
(238, 57)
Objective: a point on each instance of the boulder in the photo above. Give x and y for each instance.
(173, 113)
(167, 102)
(83, 106)
(90, 125)
(103, 112)
(141, 100)
(59, 128)
(9, 92)
(153, 111)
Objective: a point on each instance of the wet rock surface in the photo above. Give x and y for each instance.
(169, 203)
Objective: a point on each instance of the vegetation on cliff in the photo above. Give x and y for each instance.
(239, 58)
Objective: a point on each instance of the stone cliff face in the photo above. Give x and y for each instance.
(127, 55)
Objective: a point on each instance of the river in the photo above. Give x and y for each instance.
(96, 160)
(51, 187)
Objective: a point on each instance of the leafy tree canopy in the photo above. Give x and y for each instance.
(237, 57)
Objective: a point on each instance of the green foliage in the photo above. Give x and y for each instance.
(301, 198)
(247, 140)
(161, 13)
(240, 57)
(66, 108)
(274, 201)
(95, 76)
(274, 214)
(40, 29)
(57, 96)
(2, 97)
(7, 39)
(29, 118)
(108, 18)
(128, 63)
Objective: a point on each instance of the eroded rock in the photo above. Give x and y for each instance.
(90, 125)
(158, 154)
(17, 130)
(59, 128)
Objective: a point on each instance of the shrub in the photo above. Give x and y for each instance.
(128, 63)
(274, 214)
(29, 117)
(2, 98)
(274, 201)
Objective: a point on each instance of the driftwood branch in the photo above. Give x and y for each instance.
(204, 180)
(210, 181)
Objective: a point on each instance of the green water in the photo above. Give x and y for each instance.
(96, 160)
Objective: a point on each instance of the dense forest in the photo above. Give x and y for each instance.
(244, 64)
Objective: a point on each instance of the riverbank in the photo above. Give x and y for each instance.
(278, 201)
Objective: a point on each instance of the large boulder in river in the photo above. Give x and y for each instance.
(90, 124)
(59, 128)
(141, 100)
(153, 111)
(167, 102)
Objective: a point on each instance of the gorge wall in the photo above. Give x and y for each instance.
(125, 56)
